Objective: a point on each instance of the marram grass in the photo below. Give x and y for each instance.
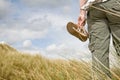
(15, 65)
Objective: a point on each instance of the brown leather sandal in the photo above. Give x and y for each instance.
(77, 31)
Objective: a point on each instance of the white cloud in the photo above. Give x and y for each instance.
(18, 30)
(3, 42)
(29, 24)
(5, 6)
(27, 43)
(32, 52)
(51, 47)
(29, 48)
(15, 35)
(54, 47)
(52, 20)
(58, 20)
(33, 26)
(66, 51)
(46, 3)
(67, 9)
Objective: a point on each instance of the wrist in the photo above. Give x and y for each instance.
(83, 12)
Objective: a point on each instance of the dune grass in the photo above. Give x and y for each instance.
(15, 65)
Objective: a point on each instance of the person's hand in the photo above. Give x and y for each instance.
(82, 18)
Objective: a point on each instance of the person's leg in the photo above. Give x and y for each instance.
(114, 22)
(99, 41)
(116, 39)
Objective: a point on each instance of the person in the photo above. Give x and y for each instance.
(101, 26)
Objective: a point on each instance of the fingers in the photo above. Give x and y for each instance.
(81, 21)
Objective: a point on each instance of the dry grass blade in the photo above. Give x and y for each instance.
(18, 66)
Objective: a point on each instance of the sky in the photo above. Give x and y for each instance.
(39, 26)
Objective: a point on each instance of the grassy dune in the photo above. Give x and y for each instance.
(15, 65)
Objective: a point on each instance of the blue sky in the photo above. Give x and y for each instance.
(40, 26)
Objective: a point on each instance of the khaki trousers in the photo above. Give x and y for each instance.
(101, 26)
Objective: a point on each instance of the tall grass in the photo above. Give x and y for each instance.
(15, 65)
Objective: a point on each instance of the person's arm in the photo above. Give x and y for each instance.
(82, 2)
(82, 16)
